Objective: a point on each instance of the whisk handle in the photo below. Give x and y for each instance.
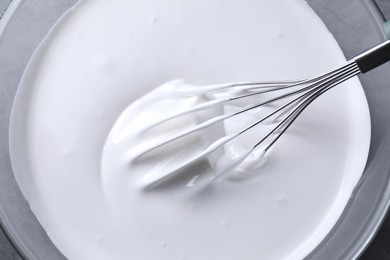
(373, 57)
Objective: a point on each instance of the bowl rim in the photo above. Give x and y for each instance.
(22, 249)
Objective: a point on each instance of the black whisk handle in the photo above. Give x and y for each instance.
(374, 57)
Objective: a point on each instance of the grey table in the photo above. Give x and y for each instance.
(379, 249)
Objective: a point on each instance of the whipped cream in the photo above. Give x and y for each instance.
(74, 127)
(178, 127)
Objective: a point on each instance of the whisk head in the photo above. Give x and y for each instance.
(284, 101)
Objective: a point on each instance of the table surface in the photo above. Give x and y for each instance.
(379, 248)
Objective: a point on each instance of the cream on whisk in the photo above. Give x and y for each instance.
(164, 143)
(153, 149)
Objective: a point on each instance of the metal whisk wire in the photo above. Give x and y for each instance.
(299, 94)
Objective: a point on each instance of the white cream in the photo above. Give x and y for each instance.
(151, 148)
(178, 127)
(70, 163)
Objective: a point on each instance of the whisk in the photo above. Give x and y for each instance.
(297, 95)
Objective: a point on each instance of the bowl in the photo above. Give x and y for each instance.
(356, 25)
